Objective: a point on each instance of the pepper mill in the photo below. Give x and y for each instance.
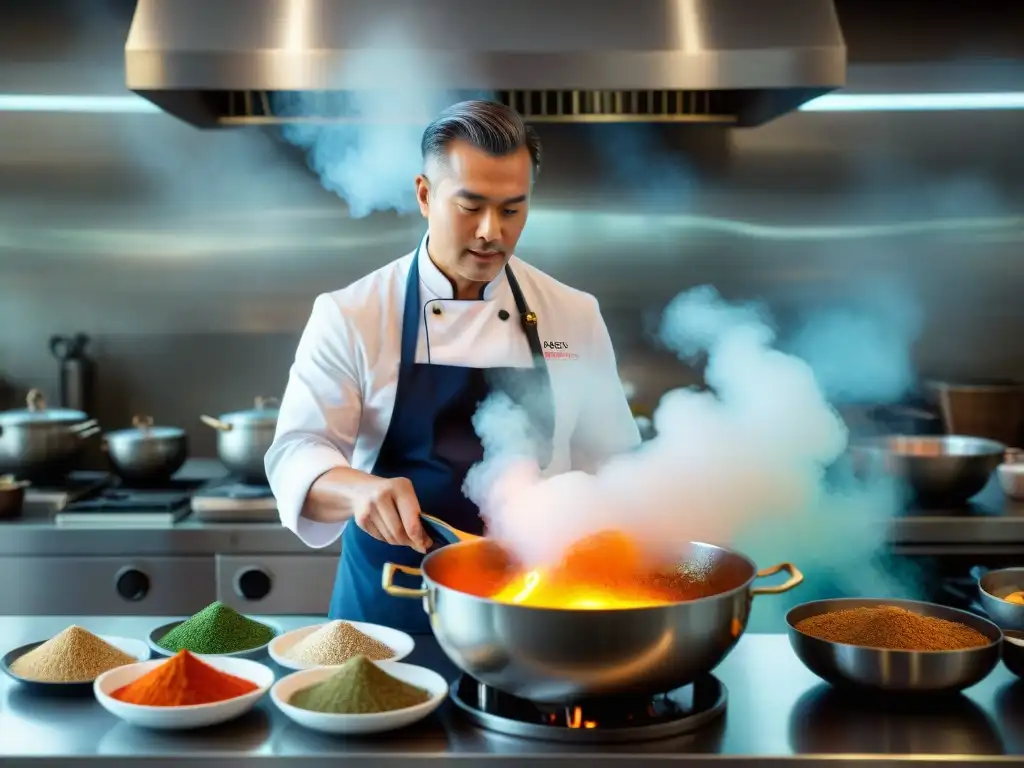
(77, 372)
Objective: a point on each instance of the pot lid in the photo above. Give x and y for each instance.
(36, 412)
(265, 411)
(142, 429)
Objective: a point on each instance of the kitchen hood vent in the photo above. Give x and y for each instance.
(222, 63)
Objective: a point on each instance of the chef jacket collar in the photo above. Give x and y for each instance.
(435, 281)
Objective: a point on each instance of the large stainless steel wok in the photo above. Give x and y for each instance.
(563, 655)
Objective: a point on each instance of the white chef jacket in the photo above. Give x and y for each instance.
(341, 388)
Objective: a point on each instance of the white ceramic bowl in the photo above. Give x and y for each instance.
(181, 718)
(252, 653)
(1011, 479)
(355, 725)
(399, 642)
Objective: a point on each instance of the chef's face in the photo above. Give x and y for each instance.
(476, 207)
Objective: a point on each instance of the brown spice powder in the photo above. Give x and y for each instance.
(76, 655)
(891, 628)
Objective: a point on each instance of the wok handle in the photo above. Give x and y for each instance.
(387, 581)
(795, 577)
(439, 529)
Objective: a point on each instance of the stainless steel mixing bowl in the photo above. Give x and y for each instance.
(994, 586)
(907, 672)
(947, 469)
(564, 655)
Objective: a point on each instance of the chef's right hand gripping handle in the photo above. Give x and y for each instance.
(440, 533)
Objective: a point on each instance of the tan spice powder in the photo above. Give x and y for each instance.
(892, 628)
(336, 643)
(76, 655)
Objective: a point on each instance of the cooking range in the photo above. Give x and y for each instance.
(87, 496)
(612, 719)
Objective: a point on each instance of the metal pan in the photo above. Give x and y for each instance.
(894, 672)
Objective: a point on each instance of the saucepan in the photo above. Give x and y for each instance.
(42, 444)
(244, 437)
(562, 655)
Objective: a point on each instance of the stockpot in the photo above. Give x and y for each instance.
(244, 437)
(42, 444)
(564, 656)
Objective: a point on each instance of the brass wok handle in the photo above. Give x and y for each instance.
(387, 581)
(455, 533)
(795, 577)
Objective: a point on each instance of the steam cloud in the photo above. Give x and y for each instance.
(370, 160)
(754, 447)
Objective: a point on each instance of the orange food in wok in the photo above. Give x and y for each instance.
(602, 571)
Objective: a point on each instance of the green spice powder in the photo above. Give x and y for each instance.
(359, 687)
(217, 629)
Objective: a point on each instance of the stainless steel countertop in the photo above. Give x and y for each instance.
(777, 711)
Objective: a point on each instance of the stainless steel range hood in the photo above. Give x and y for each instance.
(221, 63)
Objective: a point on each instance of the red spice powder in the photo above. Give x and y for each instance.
(181, 681)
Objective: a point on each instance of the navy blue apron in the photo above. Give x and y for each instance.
(431, 441)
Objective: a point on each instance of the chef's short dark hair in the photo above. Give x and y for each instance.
(490, 127)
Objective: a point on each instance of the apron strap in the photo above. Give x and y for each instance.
(527, 318)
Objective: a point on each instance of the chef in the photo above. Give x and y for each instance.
(375, 425)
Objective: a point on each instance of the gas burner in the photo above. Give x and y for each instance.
(610, 720)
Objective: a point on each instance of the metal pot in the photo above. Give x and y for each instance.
(946, 469)
(563, 655)
(244, 437)
(42, 444)
(144, 454)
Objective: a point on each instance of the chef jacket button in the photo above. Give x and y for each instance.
(503, 314)
(437, 309)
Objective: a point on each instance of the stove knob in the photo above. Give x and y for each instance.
(253, 584)
(132, 584)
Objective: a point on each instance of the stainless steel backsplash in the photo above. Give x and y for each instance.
(192, 258)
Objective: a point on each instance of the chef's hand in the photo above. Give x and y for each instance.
(389, 511)
(384, 507)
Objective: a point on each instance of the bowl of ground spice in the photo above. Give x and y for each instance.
(895, 646)
(360, 697)
(217, 630)
(334, 643)
(69, 662)
(184, 691)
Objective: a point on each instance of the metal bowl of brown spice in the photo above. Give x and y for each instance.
(895, 646)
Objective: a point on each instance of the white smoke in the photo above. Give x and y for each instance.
(371, 159)
(754, 447)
